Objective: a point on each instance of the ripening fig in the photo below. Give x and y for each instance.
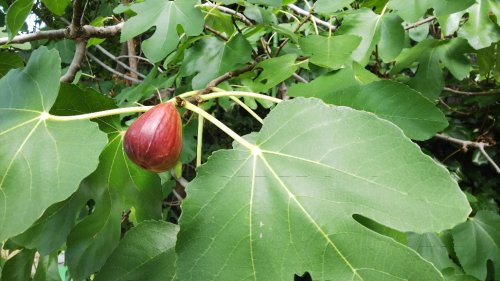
(154, 140)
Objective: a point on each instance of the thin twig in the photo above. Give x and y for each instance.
(226, 10)
(453, 110)
(87, 31)
(419, 23)
(296, 30)
(299, 78)
(492, 162)
(465, 144)
(226, 76)
(216, 33)
(464, 93)
(137, 57)
(80, 49)
(247, 108)
(303, 12)
(111, 56)
(110, 69)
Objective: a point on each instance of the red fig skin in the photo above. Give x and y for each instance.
(154, 140)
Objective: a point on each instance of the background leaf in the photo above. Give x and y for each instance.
(274, 71)
(476, 242)
(479, 29)
(56, 6)
(9, 61)
(417, 116)
(331, 52)
(16, 16)
(164, 16)
(211, 57)
(369, 26)
(145, 253)
(18, 268)
(291, 206)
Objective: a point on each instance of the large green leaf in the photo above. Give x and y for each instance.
(369, 26)
(479, 29)
(332, 52)
(416, 115)
(165, 16)
(212, 57)
(145, 253)
(42, 161)
(477, 241)
(16, 16)
(50, 231)
(287, 207)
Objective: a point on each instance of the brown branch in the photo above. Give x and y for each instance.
(419, 23)
(80, 49)
(464, 93)
(313, 18)
(76, 20)
(226, 76)
(87, 31)
(465, 144)
(132, 61)
(110, 69)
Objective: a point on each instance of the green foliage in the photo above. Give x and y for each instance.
(379, 162)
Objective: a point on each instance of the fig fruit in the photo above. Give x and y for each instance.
(154, 140)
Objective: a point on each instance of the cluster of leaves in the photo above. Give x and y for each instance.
(339, 186)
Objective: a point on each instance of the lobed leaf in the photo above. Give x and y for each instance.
(287, 207)
(42, 161)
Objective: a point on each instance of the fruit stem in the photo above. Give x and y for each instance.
(126, 110)
(99, 114)
(199, 140)
(248, 109)
(222, 126)
(115, 111)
